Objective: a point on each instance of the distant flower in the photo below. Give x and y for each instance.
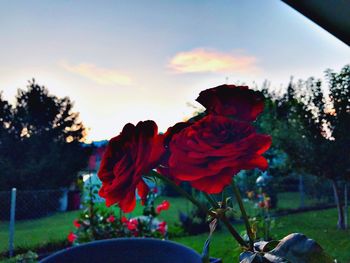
(111, 219)
(261, 204)
(124, 220)
(162, 227)
(250, 194)
(163, 206)
(267, 202)
(76, 223)
(155, 190)
(166, 204)
(131, 154)
(132, 224)
(72, 237)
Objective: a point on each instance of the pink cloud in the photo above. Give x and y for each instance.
(100, 75)
(210, 60)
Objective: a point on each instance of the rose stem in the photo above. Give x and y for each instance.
(200, 206)
(224, 219)
(244, 214)
(233, 231)
(181, 191)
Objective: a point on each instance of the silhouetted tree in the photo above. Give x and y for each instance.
(313, 129)
(46, 136)
(6, 141)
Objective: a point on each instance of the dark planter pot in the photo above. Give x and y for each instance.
(127, 250)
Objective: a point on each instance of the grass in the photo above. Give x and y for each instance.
(320, 225)
(291, 200)
(31, 233)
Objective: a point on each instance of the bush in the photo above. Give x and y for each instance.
(96, 222)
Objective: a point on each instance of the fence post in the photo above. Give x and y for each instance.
(346, 211)
(301, 191)
(12, 221)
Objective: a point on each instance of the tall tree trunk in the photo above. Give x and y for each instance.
(341, 221)
(346, 211)
(301, 191)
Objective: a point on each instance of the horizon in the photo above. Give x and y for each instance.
(127, 62)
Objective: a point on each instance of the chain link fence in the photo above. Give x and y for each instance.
(45, 217)
(289, 193)
(31, 214)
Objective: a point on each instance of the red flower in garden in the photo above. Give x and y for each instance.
(111, 219)
(124, 220)
(261, 204)
(237, 101)
(267, 202)
(132, 224)
(131, 154)
(163, 206)
(211, 151)
(162, 228)
(71, 237)
(76, 223)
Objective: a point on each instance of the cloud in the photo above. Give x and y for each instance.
(103, 76)
(210, 60)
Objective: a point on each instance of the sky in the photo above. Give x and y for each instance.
(127, 61)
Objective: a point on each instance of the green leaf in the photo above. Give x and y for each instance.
(297, 248)
(205, 252)
(270, 245)
(252, 257)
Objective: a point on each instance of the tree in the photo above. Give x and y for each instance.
(5, 139)
(314, 134)
(339, 120)
(46, 135)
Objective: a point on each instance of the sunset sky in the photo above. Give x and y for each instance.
(125, 61)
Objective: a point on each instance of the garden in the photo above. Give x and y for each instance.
(53, 230)
(171, 157)
(242, 209)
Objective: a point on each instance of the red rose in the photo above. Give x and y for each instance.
(124, 219)
(237, 101)
(163, 168)
(162, 228)
(163, 206)
(76, 223)
(132, 224)
(128, 156)
(211, 151)
(72, 237)
(166, 204)
(111, 219)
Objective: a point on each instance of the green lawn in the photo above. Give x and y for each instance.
(320, 225)
(31, 233)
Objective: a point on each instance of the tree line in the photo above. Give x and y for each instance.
(41, 136)
(310, 122)
(40, 140)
